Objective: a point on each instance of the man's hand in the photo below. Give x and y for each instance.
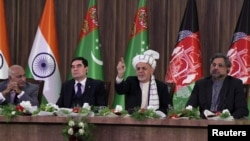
(121, 68)
(11, 86)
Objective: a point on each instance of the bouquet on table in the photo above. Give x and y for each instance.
(224, 115)
(148, 113)
(188, 113)
(106, 111)
(85, 110)
(78, 130)
(47, 109)
(24, 108)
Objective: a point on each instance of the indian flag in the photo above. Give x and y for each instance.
(43, 63)
(4, 46)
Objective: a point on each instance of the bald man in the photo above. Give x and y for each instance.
(15, 89)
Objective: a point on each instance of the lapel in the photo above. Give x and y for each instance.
(87, 87)
(71, 90)
(209, 92)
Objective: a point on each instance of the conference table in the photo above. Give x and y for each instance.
(49, 128)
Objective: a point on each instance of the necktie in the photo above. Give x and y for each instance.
(12, 97)
(79, 90)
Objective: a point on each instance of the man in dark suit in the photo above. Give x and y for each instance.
(219, 91)
(81, 89)
(143, 90)
(15, 89)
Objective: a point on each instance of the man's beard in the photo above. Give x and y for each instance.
(218, 76)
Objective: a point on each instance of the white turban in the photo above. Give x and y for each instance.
(148, 56)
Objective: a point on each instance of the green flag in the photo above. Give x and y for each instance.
(138, 43)
(89, 45)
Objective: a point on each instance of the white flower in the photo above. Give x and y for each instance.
(118, 108)
(81, 131)
(86, 106)
(13, 112)
(226, 111)
(151, 108)
(189, 107)
(81, 124)
(71, 123)
(53, 105)
(70, 131)
(26, 106)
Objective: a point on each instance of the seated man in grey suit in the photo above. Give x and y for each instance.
(81, 89)
(15, 89)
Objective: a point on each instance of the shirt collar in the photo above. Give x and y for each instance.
(83, 82)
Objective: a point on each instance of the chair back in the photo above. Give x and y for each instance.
(41, 86)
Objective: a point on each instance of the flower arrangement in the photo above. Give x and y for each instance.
(24, 108)
(9, 111)
(78, 130)
(142, 114)
(188, 113)
(119, 111)
(49, 107)
(102, 111)
(224, 115)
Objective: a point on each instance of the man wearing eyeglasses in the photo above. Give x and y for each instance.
(219, 91)
(143, 90)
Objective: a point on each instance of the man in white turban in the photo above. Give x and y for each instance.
(143, 90)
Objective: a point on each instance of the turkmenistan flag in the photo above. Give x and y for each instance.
(43, 63)
(239, 52)
(138, 43)
(89, 45)
(4, 45)
(185, 65)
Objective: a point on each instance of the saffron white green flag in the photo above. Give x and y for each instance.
(43, 63)
(4, 45)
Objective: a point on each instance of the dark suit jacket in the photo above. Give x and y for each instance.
(30, 93)
(231, 96)
(133, 94)
(94, 93)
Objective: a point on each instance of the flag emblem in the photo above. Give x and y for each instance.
(185, 60)
(43, 65)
